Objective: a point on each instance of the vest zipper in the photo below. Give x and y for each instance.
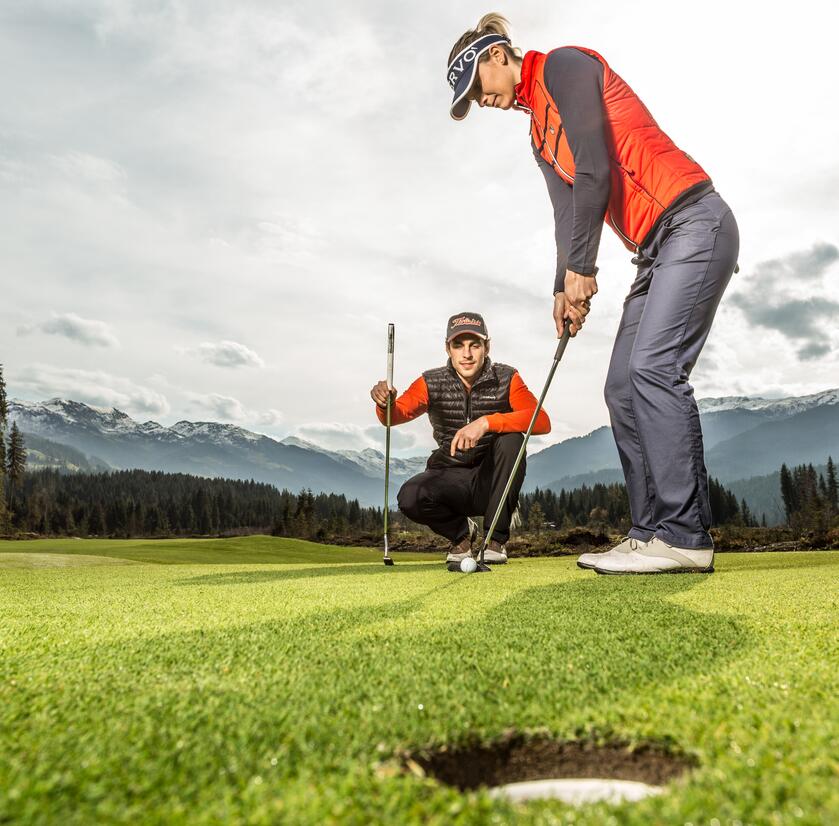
(546, 143)
(621, 233)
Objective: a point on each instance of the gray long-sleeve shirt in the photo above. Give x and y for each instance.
(575, 81)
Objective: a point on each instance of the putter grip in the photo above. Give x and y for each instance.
(391, 336)
(563, 343)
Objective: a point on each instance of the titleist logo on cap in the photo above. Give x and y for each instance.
(464, 319)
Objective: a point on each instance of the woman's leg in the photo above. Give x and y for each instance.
(694, 255)
(618, 394)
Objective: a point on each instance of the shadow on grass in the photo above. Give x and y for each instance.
(349, 569)
(329, 691)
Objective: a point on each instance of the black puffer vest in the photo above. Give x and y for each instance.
(451, 406)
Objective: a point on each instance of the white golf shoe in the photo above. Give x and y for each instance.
(590, 561)
(495, 553)
(463, 548)
(657, 557)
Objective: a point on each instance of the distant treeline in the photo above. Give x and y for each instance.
(141, 503)
(811, 500)
(152, 503)
(605, 506)
(12, 461)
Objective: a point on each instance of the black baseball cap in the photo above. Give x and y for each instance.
(466, 323)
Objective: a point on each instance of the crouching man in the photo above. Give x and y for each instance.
(479, 411)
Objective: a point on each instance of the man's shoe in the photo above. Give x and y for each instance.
(658, 557)
(590, 561)
(495, 553)
(462, 549)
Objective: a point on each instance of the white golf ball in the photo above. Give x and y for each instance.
(468, 565)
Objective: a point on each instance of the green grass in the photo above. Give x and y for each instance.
(266, 680)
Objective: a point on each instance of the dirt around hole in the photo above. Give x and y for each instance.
(517, 757)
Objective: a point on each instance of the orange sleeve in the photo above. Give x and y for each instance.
(412, 403)
(523, 403)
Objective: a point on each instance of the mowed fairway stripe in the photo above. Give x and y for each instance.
(54, 560)
(278, 688)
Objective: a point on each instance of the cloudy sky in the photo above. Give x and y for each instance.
(211, 210)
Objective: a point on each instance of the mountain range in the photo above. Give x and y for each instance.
(102, 438)
(745, 437)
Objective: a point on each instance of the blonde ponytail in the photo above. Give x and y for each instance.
(492, 23)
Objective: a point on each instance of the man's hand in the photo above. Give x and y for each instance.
(579, 288)
(574, 304)
(380, 392)
(467, 437)
(566, 312)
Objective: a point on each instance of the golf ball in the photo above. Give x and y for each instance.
(468, 565)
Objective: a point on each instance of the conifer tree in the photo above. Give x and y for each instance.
(788, 492)
(4, 515)
(4, 406)
(4, 417)
(15, 461)
(832, 488)
(536, 518)
(747, 514)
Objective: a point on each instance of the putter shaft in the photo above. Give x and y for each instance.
(560, 349)
(391, 338)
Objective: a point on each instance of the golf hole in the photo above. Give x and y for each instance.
(520, 768)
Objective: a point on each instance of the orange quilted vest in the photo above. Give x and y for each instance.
(648, 170)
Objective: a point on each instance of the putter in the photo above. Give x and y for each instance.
(391, 336)
(560, 349)
(454, 567)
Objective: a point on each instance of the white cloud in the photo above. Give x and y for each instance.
(225, 408)
(89, 168)
(69, 325)
(344, 436)
(315, 204)
(787, 295)
(42, 381)
(226, 354)
(228, 409)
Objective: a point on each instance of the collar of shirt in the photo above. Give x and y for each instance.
(524, 88)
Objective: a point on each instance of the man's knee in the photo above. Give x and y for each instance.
(411, 498)
(406, 499)
(507, 444)
(506, 448)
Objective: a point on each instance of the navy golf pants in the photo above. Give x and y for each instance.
(683, 271)
(442, 497)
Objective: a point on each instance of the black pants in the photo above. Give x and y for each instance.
(442, 498)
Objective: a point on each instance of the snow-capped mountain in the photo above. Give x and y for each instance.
(779, 407)
(221, 434)
(55, 415)
(370, 460)
(744, 436)
(207, 449)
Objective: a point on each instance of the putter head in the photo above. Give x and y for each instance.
(387, 560)
(454, 567)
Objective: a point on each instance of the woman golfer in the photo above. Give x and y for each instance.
(605, 158)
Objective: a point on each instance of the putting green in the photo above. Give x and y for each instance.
(264, 680)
